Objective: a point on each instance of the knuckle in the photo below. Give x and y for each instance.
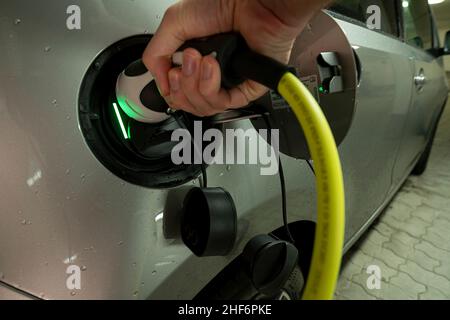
(170, 13)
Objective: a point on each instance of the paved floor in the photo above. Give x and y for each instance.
(410, 243)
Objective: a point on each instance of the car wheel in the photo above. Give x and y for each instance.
(421, 165)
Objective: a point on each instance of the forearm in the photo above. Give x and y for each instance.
(290, 12)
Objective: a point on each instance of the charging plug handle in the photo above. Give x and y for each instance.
(238, 62)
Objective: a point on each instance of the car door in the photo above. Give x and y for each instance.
(426, 99)
(383, 99)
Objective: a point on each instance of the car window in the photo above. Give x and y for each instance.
(417, 23)
(359, 10)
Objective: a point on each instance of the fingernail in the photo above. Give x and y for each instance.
(189, 65)
(207, 71)
(174, 83)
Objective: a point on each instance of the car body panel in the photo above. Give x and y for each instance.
(383, 103)
(426, 103)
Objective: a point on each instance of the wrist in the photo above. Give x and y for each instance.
(295, 14)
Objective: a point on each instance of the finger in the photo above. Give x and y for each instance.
(191, 70)
(245, 93)
(177, 97)
(210, 88)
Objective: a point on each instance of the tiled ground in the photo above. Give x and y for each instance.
(410, 242)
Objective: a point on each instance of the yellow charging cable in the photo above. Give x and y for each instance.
(329, 237)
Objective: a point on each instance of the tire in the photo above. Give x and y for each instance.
(422, 164)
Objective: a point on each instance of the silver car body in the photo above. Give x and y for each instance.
(59, 206)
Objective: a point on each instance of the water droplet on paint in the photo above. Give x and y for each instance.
(17, 21)
(47, 49)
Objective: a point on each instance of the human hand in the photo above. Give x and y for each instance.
(270, 27)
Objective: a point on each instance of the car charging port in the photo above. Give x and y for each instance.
(139, 153)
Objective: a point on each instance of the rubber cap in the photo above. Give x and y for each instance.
(269, 262)
(209, 222)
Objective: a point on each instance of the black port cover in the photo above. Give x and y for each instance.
(269, 263)
(209, 222)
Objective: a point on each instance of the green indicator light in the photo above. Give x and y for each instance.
(321, 89)
(119, 118)
(125, 107)
(129, 130)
